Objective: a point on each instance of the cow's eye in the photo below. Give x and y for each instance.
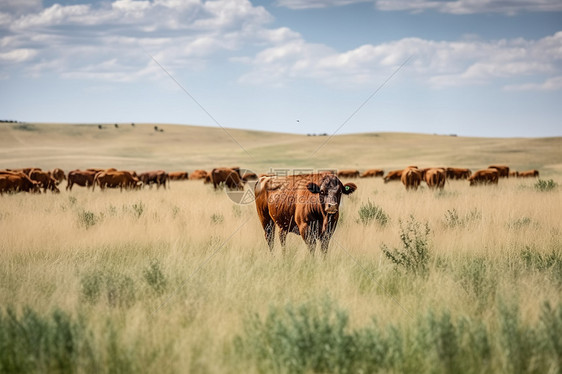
(322, 192)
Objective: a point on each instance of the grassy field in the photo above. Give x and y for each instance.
(181, 280)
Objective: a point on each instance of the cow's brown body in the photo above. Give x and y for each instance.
(84, 178)
(16, 182)
(307, 205)
(393, 175)
(58, 174)
(528, 174)
(411, 178)
(435, 177)
(486, 176)
(178, 175)
(372, 173)
(503, 170)
(458, 173)
(198, 174)
(227, 176)
(44, 179)
(115, 179)
(157, 177)
(351, 173)
(249, 176)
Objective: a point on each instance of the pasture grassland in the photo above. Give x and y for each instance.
(191, 147)
(181, 280)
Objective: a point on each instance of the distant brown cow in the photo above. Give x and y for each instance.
(372, 173)
(58, 174)
(198, 174)
(84, 178)
(435, 177)
(411, 178)
(393, 175)
(528, 174)
(249, 176)
(44, 179)
(458, 173)
(16, 182)
(114, 179)
(178, 175)
(486, 176)
(230, 178)
(503, 170)
(351, 173)
(513, 174)
(158, 177)
(307, 205)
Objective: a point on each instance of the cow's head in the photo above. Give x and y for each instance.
(329, 192)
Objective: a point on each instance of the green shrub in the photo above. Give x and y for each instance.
(370, 212)
(415, 252)
(87, 219)
(217, 218)
(138, 209)
(155, 278)
(453, 220)
(117, 289)
(545, 185)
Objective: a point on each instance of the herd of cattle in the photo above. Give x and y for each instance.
(35, 179)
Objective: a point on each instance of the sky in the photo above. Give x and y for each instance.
(489, 68)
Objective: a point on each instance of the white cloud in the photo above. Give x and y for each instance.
(18, 55)
(439, 64)
(551, 84)
(311, 4)
(472, 6)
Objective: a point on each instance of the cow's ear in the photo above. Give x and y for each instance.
(313, 187)
(349, 188)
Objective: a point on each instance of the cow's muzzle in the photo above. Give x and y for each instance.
(331, 208)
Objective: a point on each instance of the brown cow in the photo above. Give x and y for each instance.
(411, 178)
(514, 174)
(249, 176)
(528, 174)
(158, 177)
(486, 176)
(44, 179)
(351, 173)
(229, 177)
(198, 174)
(372, 173)
(458, 173)
(58, 174)
(178, 175)
(84, 178)
(307, 205)
(15, 182)
(393, 175)
(503, 170)
(114, 179)
(435, 177)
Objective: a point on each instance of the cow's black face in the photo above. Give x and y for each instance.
(330, 191)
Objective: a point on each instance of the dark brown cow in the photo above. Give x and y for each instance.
(372, 173)
(198, 174)
(229, 177)
(393, 175)
(158, 177)
(351, 173)
(178, 175)
(249, 176)
(458, 173)
(307, 205)
(411, 178)
(528, 174)
(44, 179)
(114, 179)
(58, 174)
(503, 170)
(435, 177)
(486, 176)
(84, 178)
(16, 182)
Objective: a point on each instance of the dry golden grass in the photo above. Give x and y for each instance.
(217, 270)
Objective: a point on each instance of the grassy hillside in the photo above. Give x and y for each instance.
(140, 147)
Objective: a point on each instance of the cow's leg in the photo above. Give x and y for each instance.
(269, 228)
(309, 235)
(283, 237)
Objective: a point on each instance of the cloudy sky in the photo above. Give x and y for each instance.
(466, 67)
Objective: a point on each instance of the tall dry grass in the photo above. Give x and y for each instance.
(168, 281)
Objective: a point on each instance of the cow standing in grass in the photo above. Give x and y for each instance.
(307, 205)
